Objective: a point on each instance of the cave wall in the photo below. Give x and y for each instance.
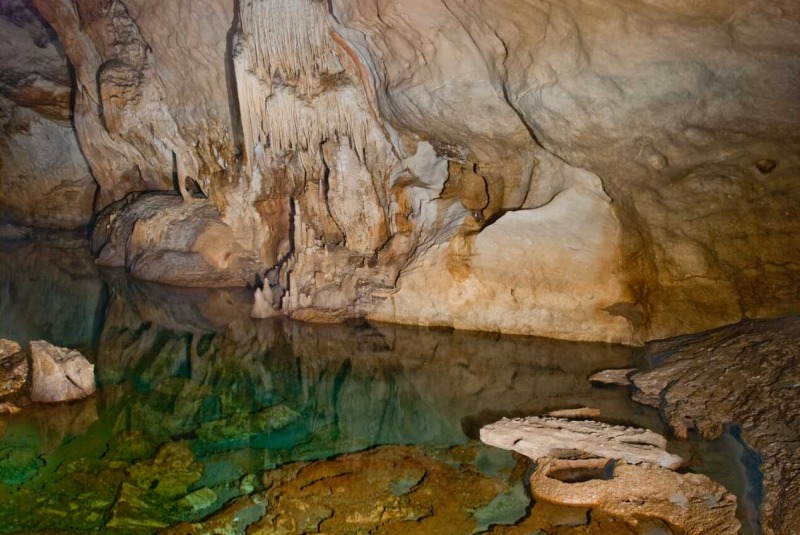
(44, 178)
(579, 169)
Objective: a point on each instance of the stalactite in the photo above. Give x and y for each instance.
(290, 39)
(293, 90)
(293, 123)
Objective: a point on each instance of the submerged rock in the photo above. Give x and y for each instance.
(13, 368)
(156, 493)
(8, 408)
(242, 426)
(390, 489)
(199, 499)
(690, 504)
(537, 438)
(746, 374)
(59, 374)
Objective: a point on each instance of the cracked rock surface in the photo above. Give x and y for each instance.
(538, 438)
(13, 368)
(59, 374)
(44, 179)
(646, 497)
(746, 375)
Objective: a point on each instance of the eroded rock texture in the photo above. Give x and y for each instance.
(537, 438)
(44, 179)
(13, 368)
(648, 498)
(745, 375)
(59, 374)
(583, 169)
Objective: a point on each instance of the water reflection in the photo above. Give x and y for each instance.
(190, 385)
(374, 383)
(49, 289)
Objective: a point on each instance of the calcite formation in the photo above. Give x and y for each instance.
(588, 169)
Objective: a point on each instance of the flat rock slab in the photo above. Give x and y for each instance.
(613, 377)
(59, 374)
(537, 438)
(581, 413)
(13, 368)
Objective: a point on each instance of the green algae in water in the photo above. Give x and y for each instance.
(196, 400)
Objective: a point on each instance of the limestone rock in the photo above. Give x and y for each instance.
(613, 377)
(611, 89)
(686, 503)
(59, 374)
(44, 178)
(159, 237)
(537, 438)
(746, 375)
(581, 413)
(8, 408)
(8, 348)
(393, 489)
(591, 170)
(13, 368)
(262, 305)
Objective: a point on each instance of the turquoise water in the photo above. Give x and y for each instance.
(196, 400)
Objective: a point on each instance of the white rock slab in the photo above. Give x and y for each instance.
(613, 377)
(537, 437)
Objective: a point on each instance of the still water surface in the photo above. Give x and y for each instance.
(196, 401)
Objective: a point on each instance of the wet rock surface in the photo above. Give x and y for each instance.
(59, 374)
(159, 237)
(613, 377)
(44, 179)
(745, 375)
(538, 438)
(13, 368)
(641, 495)
(391, 489)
